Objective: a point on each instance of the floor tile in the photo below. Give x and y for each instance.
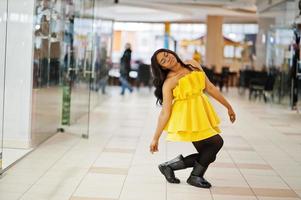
(283, 193)
(107, 170)
(100, 186)
(261, 162)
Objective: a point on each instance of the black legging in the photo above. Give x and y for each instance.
(207, 150)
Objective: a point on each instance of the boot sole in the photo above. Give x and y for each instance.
(199, 186)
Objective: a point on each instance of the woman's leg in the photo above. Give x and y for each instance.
(212, 147)
(209, 149)
(168, 168)
(190, 159)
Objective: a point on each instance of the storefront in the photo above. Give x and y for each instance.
(281, 49)
(50, 55)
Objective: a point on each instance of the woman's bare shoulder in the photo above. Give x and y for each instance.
(170, 83)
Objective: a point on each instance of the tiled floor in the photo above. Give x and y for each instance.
(259, 161)
(12, 155)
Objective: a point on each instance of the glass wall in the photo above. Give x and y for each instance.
(3, 26)
(49, 71)
(279, 57)
(102, 60)
(68, 44)
(47, 62)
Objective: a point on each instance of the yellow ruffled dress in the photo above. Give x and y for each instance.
(193, 118)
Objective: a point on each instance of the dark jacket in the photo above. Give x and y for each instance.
(125, 63)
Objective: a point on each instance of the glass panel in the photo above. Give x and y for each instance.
(226, 28)
(3, 26)
(102, 51)
(279, 54)
(229, 51)
(63, 67)
(78, 64)
(47, 93)
(251, 28)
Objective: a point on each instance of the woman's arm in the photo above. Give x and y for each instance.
(163, 117)
(215, 93)
(165, 111)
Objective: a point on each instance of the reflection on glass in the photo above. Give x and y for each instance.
(48, 37)
(102, 63)
(71, 56)
(279, 54)
(60, 87)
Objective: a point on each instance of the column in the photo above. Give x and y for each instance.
(166, 34)
(18, 74)
(214, 42)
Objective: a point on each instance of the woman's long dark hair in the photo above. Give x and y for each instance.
(160, 74)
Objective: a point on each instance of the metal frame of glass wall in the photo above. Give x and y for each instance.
(3, 35)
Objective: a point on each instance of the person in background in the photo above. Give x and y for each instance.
(102, 70)
(125, 68)
(197, 56)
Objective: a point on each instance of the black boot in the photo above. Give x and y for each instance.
(167, 168)
(196, 177)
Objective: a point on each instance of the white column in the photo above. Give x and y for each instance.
(18, 82)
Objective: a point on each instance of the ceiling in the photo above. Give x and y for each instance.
(177, 10)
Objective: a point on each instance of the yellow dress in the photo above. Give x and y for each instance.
(193, 118)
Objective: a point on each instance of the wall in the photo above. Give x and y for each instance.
(18, 83)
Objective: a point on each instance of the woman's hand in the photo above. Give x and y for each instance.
(154, 146)
(232, 115)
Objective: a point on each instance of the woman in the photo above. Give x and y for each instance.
(186, 115)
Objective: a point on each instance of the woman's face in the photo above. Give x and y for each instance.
(166, 60)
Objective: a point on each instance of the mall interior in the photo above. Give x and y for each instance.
(67, 131)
